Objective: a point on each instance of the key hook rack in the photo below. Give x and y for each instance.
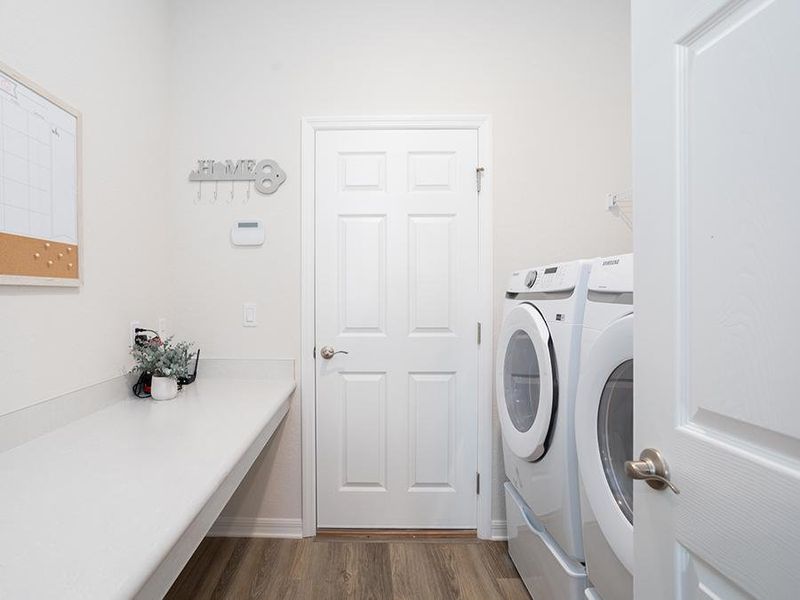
(265, 176)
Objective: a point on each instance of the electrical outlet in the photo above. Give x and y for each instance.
(132, 332)
(163, 333)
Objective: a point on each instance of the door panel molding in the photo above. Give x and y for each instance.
(360, 176)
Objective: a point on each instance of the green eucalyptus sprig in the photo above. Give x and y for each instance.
(162, 358)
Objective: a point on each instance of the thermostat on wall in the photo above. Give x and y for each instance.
(247, 233)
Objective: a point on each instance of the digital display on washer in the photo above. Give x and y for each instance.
(550, 270)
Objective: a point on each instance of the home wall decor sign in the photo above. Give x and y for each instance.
(265, 174)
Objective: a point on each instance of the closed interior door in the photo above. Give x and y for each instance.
(396, 291)
(716, 130)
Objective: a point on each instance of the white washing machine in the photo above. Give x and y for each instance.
(604, 429)
(536, 379)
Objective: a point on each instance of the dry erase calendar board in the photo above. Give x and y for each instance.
(40, 180)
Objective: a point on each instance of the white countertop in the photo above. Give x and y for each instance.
(91, 509)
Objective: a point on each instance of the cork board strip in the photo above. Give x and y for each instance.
(33, 257)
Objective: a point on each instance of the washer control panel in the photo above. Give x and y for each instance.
(612, 274)
(561, 277)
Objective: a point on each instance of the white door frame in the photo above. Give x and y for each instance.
(308, 392)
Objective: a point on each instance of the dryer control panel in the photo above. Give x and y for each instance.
(561, 277)
(612, 274)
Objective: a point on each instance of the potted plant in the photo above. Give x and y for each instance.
(165, 361)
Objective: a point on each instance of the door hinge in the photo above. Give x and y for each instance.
(314, 352)
(478, 176)
(479, 333)
(477, 483)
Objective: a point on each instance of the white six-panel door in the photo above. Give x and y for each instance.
(717, 241)
(396, 288)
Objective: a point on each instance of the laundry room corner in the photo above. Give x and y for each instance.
(451, 300)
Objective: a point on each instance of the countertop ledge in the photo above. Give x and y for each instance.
(93, 509)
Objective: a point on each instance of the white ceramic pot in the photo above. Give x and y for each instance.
(164, 388)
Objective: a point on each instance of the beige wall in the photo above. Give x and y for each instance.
(553, 74)
(108, 60)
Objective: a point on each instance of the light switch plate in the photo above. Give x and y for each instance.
(249, 315)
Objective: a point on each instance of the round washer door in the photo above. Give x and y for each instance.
(604, 434)
(524, 380)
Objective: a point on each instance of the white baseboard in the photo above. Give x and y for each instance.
(257, 527)
(262, 527)
(499, 530)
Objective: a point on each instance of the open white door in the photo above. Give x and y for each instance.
(717, 238)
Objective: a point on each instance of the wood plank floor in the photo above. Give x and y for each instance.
(334, 569)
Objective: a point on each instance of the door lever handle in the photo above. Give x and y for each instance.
(327, 352)
(652, 468)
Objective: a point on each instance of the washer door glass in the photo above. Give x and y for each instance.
(615, 434)
(521, 381)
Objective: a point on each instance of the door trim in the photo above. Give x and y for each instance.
(309, 126)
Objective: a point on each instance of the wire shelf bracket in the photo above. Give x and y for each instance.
(620, 204)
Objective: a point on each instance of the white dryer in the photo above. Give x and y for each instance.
(604, 429)
(536, 382)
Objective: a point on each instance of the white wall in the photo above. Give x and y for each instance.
(554, 75)
(108, 60)
(162, 84)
